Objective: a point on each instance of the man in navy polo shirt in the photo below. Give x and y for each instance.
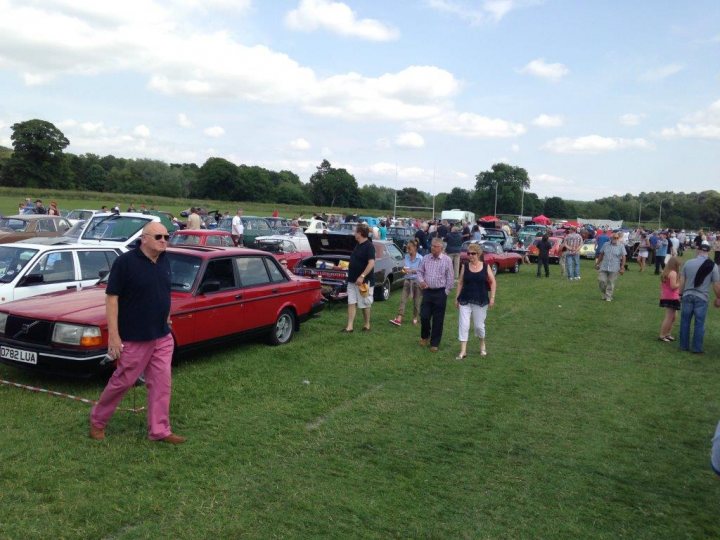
(137, 303)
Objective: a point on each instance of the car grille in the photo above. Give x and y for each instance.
(29, 330)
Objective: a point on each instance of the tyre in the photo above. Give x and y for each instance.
(515, 269)
(383, 293)
(494, 269)
(284, 328)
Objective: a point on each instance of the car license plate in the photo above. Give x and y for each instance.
(18, 355)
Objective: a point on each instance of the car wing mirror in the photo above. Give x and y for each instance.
(103, 273)
(31, 279)
(211, 285)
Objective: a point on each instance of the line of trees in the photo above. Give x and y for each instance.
(38, 160)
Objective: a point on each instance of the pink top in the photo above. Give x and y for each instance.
(667, 292)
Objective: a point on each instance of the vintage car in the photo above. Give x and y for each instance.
(253, 227)
(31, 269)
(554, 251)
(218, 295)
(587, 250)
(329, 263)
(401, 235)
(202, 237)
(495, 256)
(23, 226)
(279, 225)
(288, 249)
(115, 229)
(344, 228)
(81, 214)
(499, 236)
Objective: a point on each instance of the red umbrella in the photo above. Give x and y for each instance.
(542, 220)
(571, 224)
(490, 218)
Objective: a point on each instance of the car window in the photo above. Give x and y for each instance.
(184, 239)
(93, 262)
(288, 246)
(220, 270)
(252, 271)
(214, 241)
(183, 269)
(55, 267)
(12, 260)
(276, 273)
(17, 225)
(46, 225)
(393, 251)
(261, 225)
(113, 227)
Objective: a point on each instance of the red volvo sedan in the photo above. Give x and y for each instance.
(218, 295)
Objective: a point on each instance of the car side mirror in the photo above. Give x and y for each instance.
(31, 279)
(103, 273)
(211, 285)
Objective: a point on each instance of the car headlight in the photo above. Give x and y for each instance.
(75, 334)
(3, 321)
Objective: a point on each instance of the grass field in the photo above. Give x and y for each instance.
(70, 200)
(578, 424)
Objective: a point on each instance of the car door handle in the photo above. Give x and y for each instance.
(274, 291)
(71, 287)
(238, 296)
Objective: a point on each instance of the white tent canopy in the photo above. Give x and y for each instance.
(601, 223)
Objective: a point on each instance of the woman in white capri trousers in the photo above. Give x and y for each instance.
(475, 295)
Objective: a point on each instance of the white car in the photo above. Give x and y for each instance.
(316, 226)
(115, 229)
(31, 269)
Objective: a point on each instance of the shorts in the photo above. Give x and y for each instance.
(354, 296)
(643, 253)
(670, 304)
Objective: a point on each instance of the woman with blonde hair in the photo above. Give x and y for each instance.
(475, 295)
(411, 288)
(669, 297)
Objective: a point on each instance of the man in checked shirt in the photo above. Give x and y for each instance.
(573, 242)
(436, 278)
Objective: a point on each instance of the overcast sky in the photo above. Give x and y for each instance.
(593, 98)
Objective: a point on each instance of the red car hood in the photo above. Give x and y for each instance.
(85, 307)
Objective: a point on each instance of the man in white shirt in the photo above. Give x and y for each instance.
(237, 228)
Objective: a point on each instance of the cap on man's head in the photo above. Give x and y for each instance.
(705, 245)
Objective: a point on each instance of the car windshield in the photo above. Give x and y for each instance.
(183, 269)
(113, 227)
(17, 225)
(12, 260)
(76, 230)
(225, 224)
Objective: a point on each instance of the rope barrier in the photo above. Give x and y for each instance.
(134, 410)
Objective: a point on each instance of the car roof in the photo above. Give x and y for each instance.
(33, 216)
(213, 252)
(203, 232)
(67, 246)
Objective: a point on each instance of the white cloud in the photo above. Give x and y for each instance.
(703, 124)
(593, 144)
(326, 151)
(469, 11)
(547, 120)
(540, 68)
(410, 139)
(515, 148)
(339, 18)
(183, 120)
(550, 185)
(300, 144)
(660, 73)
(214, 131)
(551, 180)
(630, 119)
(141, 131)
(473, 125)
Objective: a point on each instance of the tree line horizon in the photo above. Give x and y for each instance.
(38, 160)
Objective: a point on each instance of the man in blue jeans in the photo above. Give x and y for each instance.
(573, 242)
(695, 279)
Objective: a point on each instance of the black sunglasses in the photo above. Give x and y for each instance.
(165, 237)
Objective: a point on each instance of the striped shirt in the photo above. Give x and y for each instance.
(437, 272)
(573, 242)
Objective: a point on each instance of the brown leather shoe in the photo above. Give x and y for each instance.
(433, 349)
(424, 342)
(173, 439)
(97, 434)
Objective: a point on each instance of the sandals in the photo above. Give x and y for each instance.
(415, 321)
(666, 338)
(461, 356)
(396, 321)
(483, 352)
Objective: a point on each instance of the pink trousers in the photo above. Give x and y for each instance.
(154, 359)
